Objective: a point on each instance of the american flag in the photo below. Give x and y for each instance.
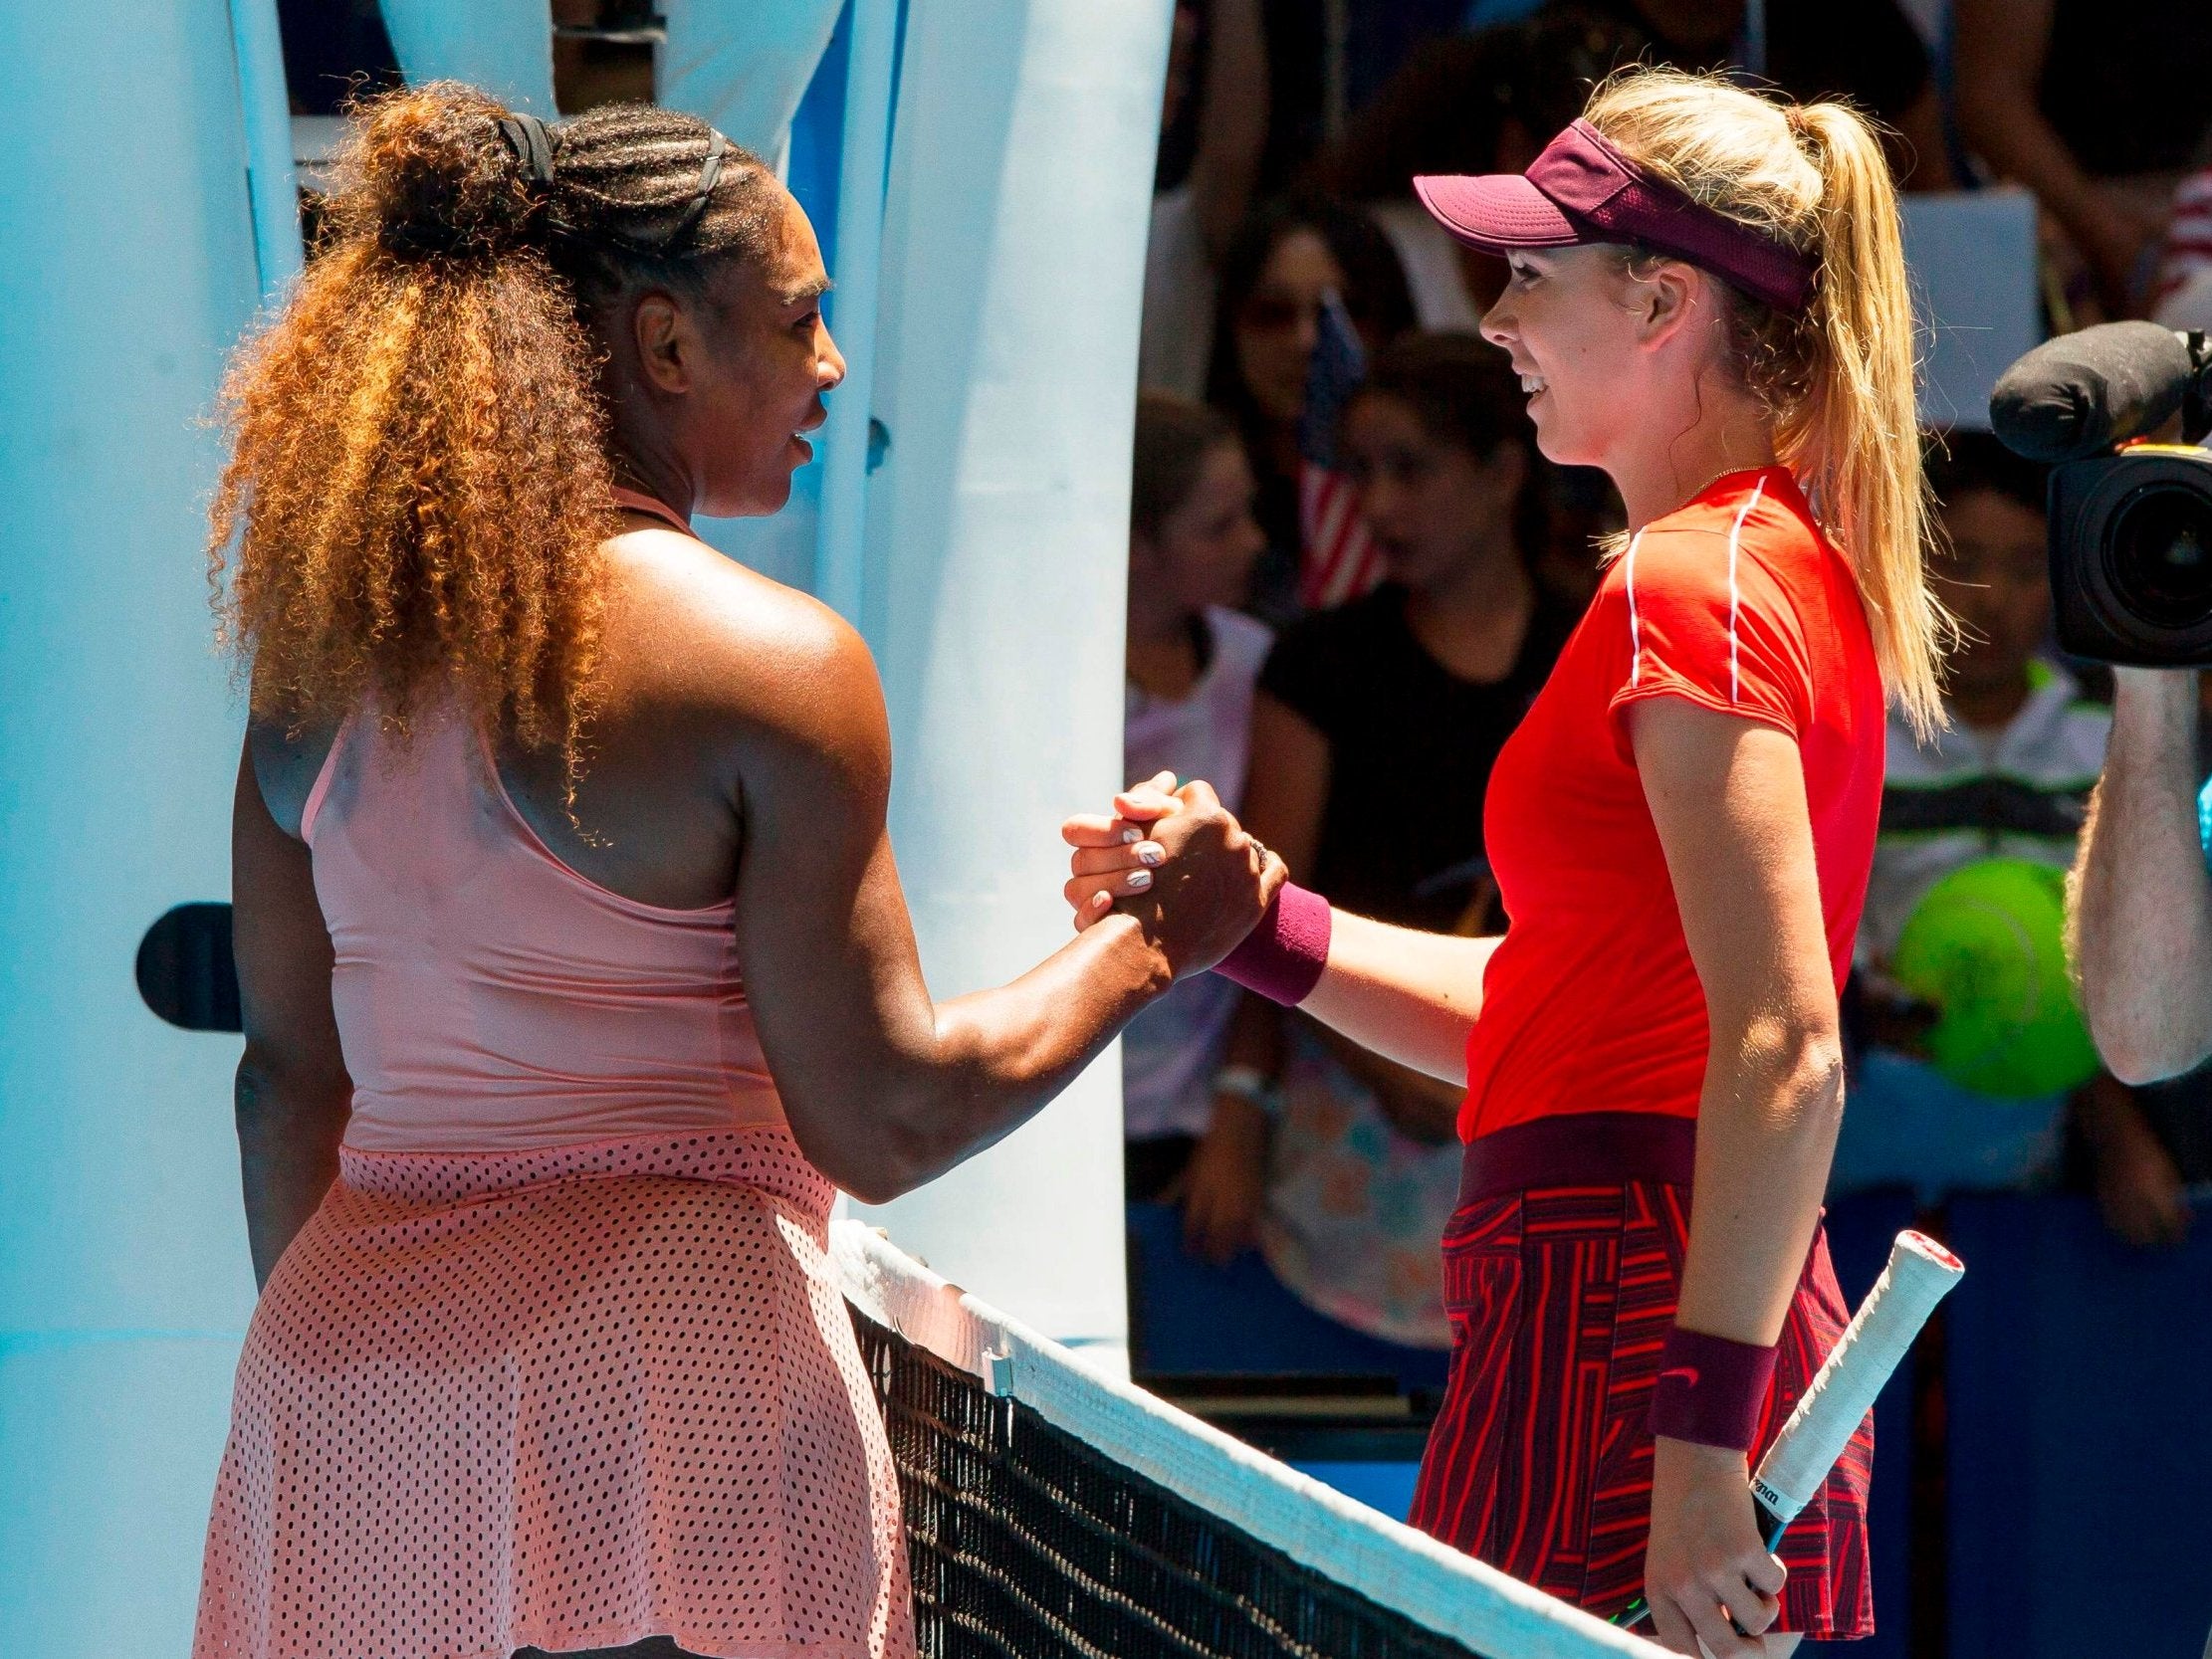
(1338, 561)
(2182, 295)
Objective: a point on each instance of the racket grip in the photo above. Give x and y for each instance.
(1920, 1274)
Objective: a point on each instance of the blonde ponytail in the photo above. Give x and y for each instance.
(1856, 436)
(1838, 377)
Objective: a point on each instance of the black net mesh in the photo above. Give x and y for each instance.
(1028, 1543)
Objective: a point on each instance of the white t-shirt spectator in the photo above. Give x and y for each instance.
(1963, 795)
(1171, 1051)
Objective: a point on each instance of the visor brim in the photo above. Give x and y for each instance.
(1496, 212)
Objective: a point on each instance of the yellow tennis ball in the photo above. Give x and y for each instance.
(1986, 945)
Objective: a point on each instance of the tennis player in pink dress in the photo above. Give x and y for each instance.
(574, 969)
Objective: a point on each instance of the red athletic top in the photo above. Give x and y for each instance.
(1737, 602)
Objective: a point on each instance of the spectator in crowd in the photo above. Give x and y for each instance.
(1213, 127)
(1279, 270)
(1864, 50)
(2009, 779)
(1373, 736)
(2097, 108)
(1193, 659)
(1480, 102)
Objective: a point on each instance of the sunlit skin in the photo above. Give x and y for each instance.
(1996, 581)
(1280, 323)
(1995, 577)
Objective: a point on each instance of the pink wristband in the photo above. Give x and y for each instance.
(1711, 1389)
(1281, 958)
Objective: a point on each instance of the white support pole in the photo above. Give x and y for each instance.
(270, 179)
(124, 1282)
(502, 46)
(997, 556)
(854, 303)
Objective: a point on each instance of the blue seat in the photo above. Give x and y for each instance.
(2080, 1436)
(1189, 1317)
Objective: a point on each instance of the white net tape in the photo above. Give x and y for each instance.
(1391, 1564)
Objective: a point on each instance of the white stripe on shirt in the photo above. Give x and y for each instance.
(1636, 632)
(1735, 595)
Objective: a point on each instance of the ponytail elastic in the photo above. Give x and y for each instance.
(526, 136)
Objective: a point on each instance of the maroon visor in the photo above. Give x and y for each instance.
(1582, 189)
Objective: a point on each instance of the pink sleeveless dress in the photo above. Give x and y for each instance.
(559, 1362)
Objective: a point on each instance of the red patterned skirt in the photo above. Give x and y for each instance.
(1561, 1288)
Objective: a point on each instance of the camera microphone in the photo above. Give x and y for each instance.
(2083, 393)
(2131, 527)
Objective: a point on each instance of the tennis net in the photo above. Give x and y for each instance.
(1056, 1513)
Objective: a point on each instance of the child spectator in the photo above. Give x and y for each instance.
(1192, 662)
(1373, 738)
(2010, 779)
(1278, 270)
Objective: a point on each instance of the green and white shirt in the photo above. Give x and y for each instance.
(2018, 791)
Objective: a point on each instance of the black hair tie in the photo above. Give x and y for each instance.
(526, 136)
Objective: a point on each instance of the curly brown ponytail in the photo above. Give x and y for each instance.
(419, 487)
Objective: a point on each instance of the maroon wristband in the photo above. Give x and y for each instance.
(1711, 1389)
(1281, 958)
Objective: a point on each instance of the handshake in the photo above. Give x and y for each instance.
(1176, 861)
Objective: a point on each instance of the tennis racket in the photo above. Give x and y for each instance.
(1921, 1273)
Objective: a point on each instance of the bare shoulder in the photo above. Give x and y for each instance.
(692, 629)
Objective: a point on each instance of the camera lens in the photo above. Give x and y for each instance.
(2160, 556)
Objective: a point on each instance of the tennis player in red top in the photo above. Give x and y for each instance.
(1707, 301)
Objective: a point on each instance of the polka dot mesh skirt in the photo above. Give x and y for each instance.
(565, 1399)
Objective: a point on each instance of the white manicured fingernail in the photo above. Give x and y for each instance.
(1151, 853)
(1138, 880)
(1130, 836)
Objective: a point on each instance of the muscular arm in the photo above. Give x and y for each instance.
(293, 1093)
(884, 1086)
(2143, 902)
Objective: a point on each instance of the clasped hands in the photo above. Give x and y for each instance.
(1178, 861)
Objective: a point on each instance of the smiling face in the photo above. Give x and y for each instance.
(1434, 507)
(1576, 340)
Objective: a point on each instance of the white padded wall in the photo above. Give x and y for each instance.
(502, 46)
(123, 1277)
(995, 561)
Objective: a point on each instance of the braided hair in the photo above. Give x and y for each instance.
(418, 484)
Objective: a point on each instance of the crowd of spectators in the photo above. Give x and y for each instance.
(1351, 569)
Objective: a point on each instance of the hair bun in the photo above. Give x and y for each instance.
(433, 177)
